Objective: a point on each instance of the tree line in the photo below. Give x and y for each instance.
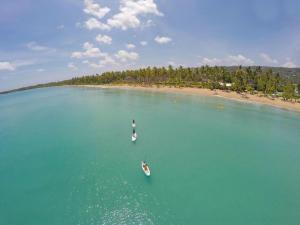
(242, 79)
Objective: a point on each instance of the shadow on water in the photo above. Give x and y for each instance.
(148, 180)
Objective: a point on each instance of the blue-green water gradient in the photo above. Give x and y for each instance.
(66, 157)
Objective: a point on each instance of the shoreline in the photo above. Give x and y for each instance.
(248, 98)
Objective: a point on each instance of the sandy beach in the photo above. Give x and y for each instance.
(276, 102)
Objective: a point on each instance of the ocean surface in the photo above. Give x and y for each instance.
(66, 157)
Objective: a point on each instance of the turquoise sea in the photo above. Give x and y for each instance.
(66, 157)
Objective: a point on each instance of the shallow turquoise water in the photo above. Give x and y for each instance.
(66, 158)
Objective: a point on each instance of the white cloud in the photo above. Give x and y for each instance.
(60, 27)
(143, 43)
(124, 21)
(93, 23)
(11, 66)
(230, 60)
(104, 39)
(35, 47)
(72, 66)
(234, 60)
(127, 17)
(267, 58)
(289, 64)
(149, 23)
(162, 40)
(78, 24)
(40, 70)
(95, 9)
(89, 52)
(211, 62)
(123, 55)
(107, 60)
(130, 46)
(129, 12)
(171, 63)
(20, 63)
(95, 65)
(7, 66)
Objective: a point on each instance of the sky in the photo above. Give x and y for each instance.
(43, 41)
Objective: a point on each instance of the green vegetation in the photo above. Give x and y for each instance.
(52, 84)
(240, 79)
(288, 91)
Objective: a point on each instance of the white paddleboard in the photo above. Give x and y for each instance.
(134, 137)
(146, 171)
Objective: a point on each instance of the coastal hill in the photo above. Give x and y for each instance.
(290, 73)
(272, 81)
